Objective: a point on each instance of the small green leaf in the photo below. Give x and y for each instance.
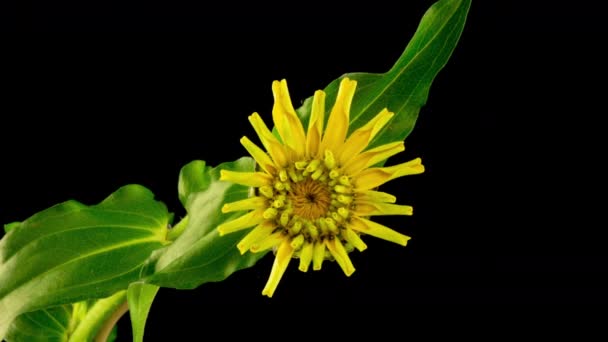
(76, 322)
(9, 226)
(140, 296)
(72, 252)
(405, 87)
(50, 324)
(199, 254)
(192, 178)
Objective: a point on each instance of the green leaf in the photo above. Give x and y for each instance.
(199, 254)
(192, 178)
(72, 252)
(9, 226)
(405, 87)
(79, 321)
(52, 324)
(140, 296)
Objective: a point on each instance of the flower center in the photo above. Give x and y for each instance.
(310, 199)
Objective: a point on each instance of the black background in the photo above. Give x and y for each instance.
(508, 211)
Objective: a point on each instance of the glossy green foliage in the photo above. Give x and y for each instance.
(405, 87)
(72, 252)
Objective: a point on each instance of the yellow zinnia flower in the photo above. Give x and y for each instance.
(314, 190)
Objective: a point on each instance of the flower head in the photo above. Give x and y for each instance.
(315, 189)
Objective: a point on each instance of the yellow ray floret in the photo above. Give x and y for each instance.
(270, 142)
(267, 243)
(286, 120)
(278, 268)
(364, 208)
(305, 256)
(254, 179)
(371, 178)
(372, 157)
(315, 125)
(259, 233)
(361, 137)
(259, 155)
(377, 230)
(337, 124)
(339, 253)
(248, 220)
(246, 204)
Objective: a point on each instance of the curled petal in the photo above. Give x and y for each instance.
(339, 253)
(315, 125)
(286, 120)
(339, 118)
(246, 204)
(262, 231)
(377, 230)
(379, 208)
(255, 179)
(360, 138)
(305, 256)
(376, 196)
(279, 266)
(261, 157)
(354, 239)
(371, 178)
(371, 157)
(270, 142)
(248, 220)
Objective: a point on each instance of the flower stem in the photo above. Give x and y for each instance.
(101, 318)
(178, 229)
(106, 329)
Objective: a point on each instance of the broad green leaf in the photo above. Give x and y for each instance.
(72, 252)
(405, 87)
(199, 254)
(79, 321)
(140, 296)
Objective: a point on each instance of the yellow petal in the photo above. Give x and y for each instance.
(318, 255)
(305, 256)
(371, 157)
(363, 208)
(360, 138)
(337, 124)
(376, 196)
(246, 204)
(279, 266)
(269, 242)
(377, 230)
(337, 250)
(371, 178)
(259, 155)
(248, 220)
(354, 239)
(270, 142)
(315, 125)
(286, 120)
(262, 231)
(254, 179)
